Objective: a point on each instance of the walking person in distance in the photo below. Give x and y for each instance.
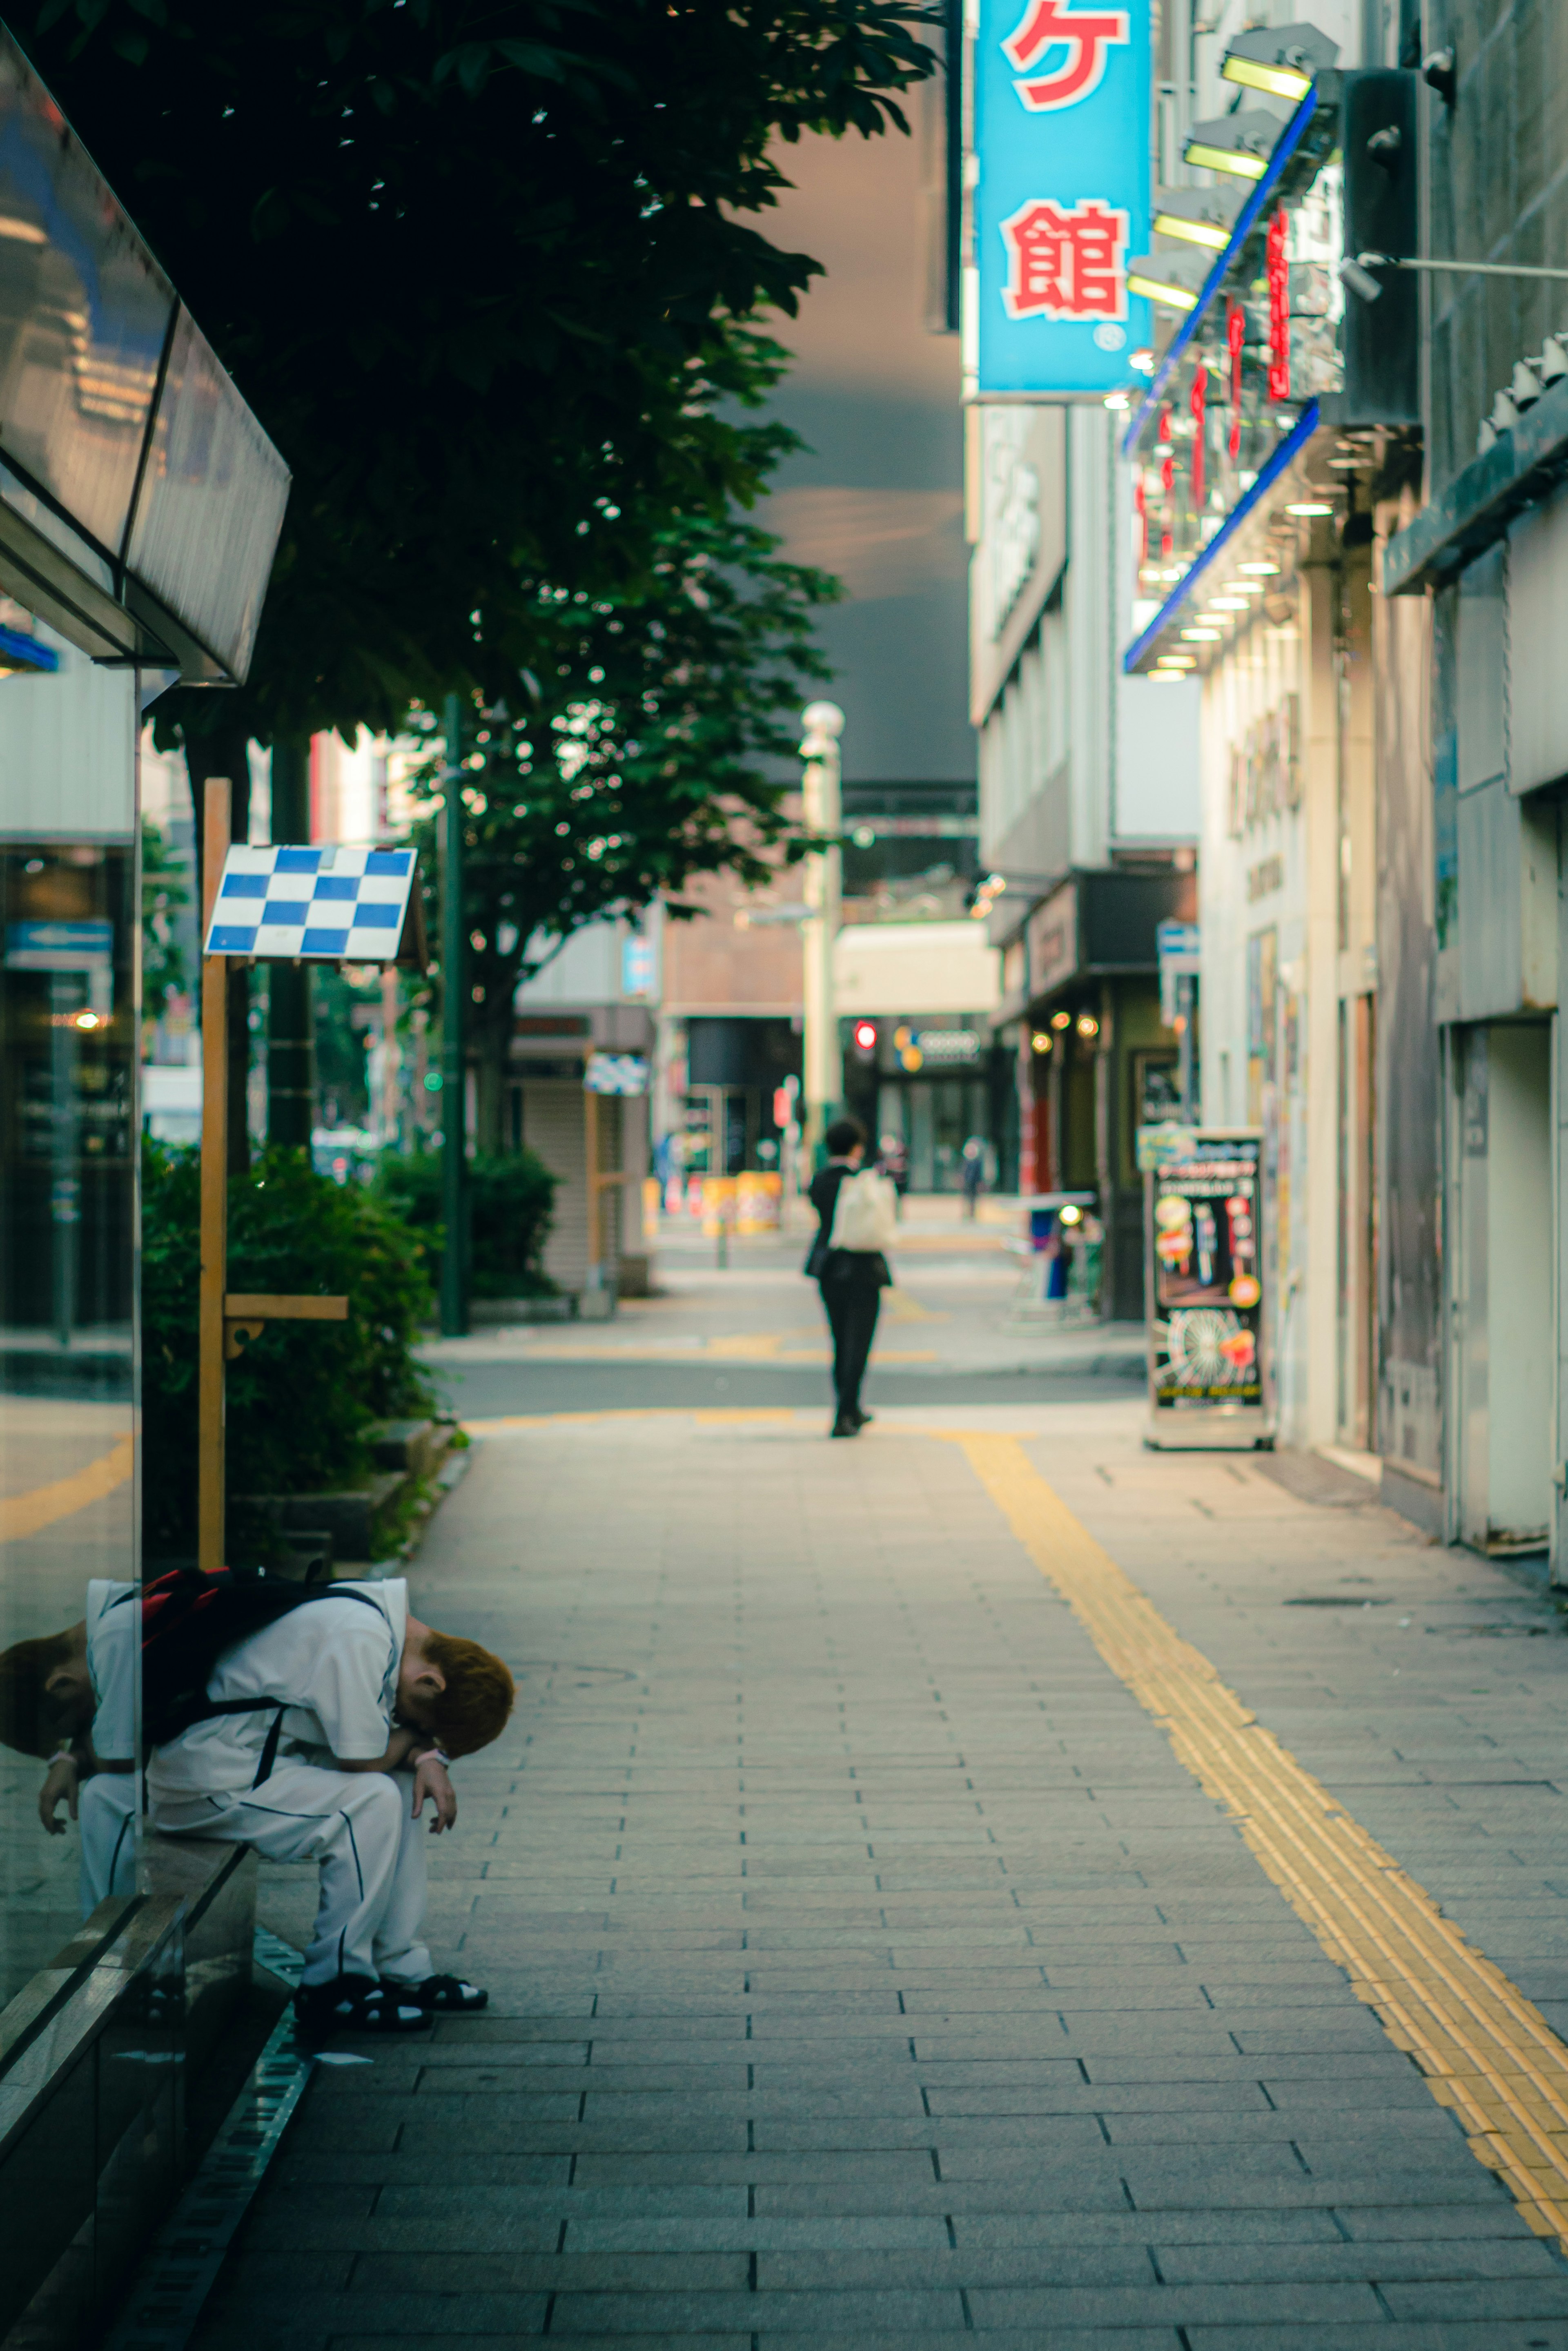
(848, 1263)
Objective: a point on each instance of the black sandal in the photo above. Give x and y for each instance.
(446, 1996)
(354, 2005)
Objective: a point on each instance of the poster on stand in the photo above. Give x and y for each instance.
(1203, 1214)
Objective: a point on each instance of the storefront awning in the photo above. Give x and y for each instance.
(140, 500)
(1522, 466)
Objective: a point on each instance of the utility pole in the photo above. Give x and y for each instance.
(453, 1085)
(290, 1018)
(823, 723)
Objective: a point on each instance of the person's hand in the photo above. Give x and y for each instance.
(61, 1782)
(431, 1783)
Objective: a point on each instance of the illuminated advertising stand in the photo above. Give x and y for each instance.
(1203, 1222)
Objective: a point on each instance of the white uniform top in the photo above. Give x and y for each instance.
(334, 1662)
(113, 1626)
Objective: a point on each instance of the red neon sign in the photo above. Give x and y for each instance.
(1235, 338)
(1199, 405)
(1279, 270)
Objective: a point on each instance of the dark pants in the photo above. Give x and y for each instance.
(852, 1311)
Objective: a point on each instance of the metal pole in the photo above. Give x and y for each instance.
(67, 998)
(290, 1020)
(1457, 268)
(594, 1274)
(453, 990)
(824, 1074)
(215, 1224)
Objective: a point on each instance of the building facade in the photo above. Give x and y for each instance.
(1274, 448)
(1475, 574)
(1089, 812)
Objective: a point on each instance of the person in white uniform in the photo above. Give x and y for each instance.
(79, 1687)
(358, 1710)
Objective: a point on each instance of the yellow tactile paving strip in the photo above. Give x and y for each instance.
(1485, 2051)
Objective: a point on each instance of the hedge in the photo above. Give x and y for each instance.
(303, 1394)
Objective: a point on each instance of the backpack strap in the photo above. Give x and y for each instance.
(269, 1752)
(268, 1760)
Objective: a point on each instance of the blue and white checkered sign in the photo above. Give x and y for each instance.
(333, 904)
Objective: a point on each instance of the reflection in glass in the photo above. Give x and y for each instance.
(68, 1041)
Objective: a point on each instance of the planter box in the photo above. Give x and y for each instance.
(491, 1311)
(352, 1517)
(414, 1447)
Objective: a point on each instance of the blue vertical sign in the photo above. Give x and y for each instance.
(1061, 203)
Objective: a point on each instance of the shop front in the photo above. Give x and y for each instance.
(925, 1086)
(1092, 1059)
(1279, 421)
(139, 505)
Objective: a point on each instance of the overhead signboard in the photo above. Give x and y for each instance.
(616, 1073)
(1061, 198)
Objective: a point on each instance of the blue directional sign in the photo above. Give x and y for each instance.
(1062, 198)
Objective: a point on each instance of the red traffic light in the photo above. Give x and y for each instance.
(865, 1036)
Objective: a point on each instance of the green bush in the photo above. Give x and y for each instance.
(512, 1200)
(302, 1395)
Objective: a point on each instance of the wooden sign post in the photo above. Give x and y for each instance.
(283, 905)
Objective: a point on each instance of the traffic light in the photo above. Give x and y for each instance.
(863, 1039)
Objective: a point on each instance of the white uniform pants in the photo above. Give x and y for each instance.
(106, 1816)
(359, 1827)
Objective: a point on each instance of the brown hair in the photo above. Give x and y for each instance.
(29, 1718)
(472, 1710)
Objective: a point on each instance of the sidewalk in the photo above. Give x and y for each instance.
(869, 1963)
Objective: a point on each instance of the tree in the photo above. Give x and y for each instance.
(486, 270)
(639, 760)
(164, 891)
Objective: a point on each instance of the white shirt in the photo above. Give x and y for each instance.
(334, 1665)
(113, 1624)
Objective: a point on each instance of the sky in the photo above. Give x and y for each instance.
(879, 498)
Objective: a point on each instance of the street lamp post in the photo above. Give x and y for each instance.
(453, 1085)
(823, 723)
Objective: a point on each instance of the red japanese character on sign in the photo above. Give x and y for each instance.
(1065, 265)
(1086, 39)
(1199, 404)
(1235, 338)
(1278, 272)
(1141, 510)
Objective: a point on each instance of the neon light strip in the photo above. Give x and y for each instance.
(1290, 139)
(1294, 440)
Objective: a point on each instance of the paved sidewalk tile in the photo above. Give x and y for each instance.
(866, 1971)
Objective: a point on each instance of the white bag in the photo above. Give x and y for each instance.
(865, 1214)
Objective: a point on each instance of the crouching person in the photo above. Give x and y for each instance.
(70, 1698)
(323, 1736)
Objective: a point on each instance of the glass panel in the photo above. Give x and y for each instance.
(211, 505)
(68, 1490)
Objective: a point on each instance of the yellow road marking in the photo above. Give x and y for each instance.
(29, 1514)
(737, 1350)
(710, 1415)
(702, 1414)
(1484, 2049)
(900, 1307)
